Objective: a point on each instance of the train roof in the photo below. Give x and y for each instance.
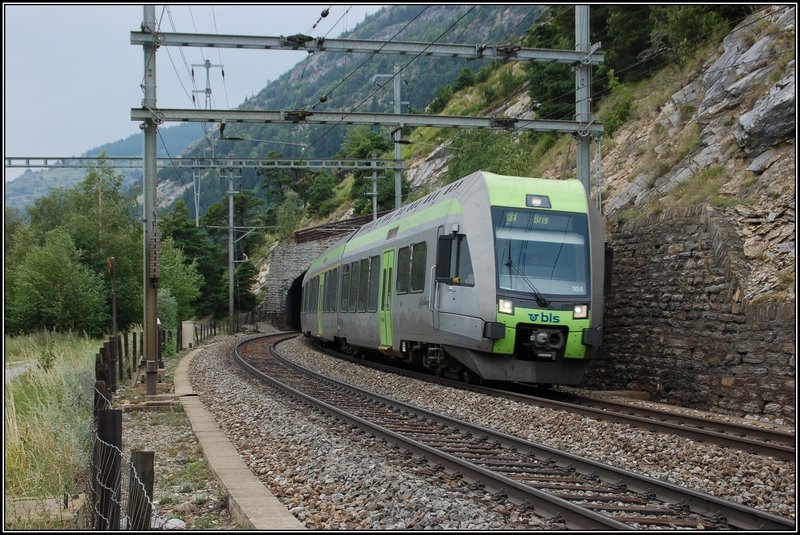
(503, 190)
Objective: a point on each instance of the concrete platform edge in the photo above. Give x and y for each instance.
(264, 513)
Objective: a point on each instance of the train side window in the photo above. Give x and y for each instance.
(363, 286)
(353, 287)
(462, 273)
(444, 259)
(403, 269)
(325, 296)
(453, 261)
(345, 287)
(374, 277)
(418, 258)
(330, 289)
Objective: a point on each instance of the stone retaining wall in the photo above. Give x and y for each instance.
(288, 261)
(677, 326)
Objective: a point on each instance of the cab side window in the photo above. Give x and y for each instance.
(453, 262)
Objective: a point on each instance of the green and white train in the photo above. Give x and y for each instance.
(494, 277)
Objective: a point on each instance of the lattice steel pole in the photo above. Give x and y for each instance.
(149, 216)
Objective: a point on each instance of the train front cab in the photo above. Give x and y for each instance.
(549, 264)
(548, 261)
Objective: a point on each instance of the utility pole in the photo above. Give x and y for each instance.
(207, 65)
(151, 241)
(583, 94)
(396, 134)
(374, 193)
(231, 263)
(112, 273)
(196, 175)
(398, 173)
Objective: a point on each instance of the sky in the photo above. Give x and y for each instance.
(71, 76)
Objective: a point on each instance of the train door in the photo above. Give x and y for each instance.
(385, 306)
(455, 301)
(433, 298)
(320, 301)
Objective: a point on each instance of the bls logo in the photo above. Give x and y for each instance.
(546, 318)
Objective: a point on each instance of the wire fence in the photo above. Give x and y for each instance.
(120, 490)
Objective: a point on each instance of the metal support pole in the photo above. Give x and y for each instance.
(374, 194)
(398, 174)
(583, 95)
(598, 174)
(151, 242)
(112, 272)
(231, 329)
(196, 176)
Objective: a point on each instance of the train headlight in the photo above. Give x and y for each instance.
(580, 312)
(506, 306)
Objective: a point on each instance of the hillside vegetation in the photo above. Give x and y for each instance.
(689, 118)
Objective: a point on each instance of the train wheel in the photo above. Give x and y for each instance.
(468, 377)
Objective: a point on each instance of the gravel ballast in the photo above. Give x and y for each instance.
(332, 477)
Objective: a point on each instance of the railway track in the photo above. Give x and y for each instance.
(749, 438)
(575, 492)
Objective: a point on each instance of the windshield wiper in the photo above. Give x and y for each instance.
(540, 299)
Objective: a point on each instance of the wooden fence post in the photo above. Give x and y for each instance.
(109, 434)
(140, 490)
(127, 359)
(135, 353)
(111, 351)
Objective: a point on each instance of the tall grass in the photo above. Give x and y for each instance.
(48, 415)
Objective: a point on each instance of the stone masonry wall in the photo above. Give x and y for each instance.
(288, 261)
(677, 328)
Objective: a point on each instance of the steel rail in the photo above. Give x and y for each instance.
(577, 517)
(736, 515)
(752, 439)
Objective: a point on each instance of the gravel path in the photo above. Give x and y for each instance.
(342, 479)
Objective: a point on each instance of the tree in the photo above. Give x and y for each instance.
(168, 316)
(179, 277)
(552, 85)
(289, 214)
(246, 275)
(12, 223)
(321, 191)
(677, 30)
(102, 223)
(361, 142)
(496, 152)
(174, 223)
(51, 289)
(208, 257)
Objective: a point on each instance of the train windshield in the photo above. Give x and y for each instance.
(540, 252)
